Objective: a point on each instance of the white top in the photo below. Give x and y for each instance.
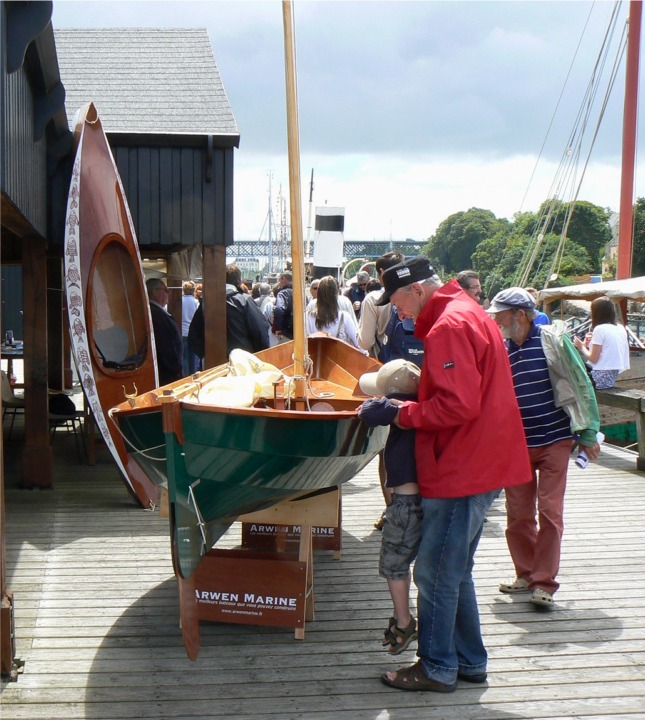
(614, 353)
(189, 303)
(347, 330)
(344, 303)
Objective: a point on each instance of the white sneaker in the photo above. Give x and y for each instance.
(514, 586)
(542, 597)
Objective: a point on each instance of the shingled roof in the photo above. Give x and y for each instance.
(148, 81)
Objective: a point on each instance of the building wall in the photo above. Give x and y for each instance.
(11, 283)
(23, 163)
(174, 197)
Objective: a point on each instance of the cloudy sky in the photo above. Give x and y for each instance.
(409, 111)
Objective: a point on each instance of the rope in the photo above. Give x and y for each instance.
(565, 179)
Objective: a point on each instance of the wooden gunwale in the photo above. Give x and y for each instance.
(99, 238)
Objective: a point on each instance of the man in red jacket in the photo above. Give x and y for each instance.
(469, 444)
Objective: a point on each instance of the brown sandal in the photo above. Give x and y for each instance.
(414, 678)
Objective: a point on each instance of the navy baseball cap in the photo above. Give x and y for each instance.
(405, 273)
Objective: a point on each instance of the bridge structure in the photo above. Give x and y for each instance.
(368, 249)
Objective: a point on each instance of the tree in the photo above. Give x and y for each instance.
(588, 226)
(497, 260)
(458, 236)
(638, 248)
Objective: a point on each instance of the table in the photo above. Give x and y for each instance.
(11, 353)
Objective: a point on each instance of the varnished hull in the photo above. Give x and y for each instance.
(222, 462)
(108, 308)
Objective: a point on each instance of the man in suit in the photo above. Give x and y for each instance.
(168, 340)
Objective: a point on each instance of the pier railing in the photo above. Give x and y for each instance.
(632, 400)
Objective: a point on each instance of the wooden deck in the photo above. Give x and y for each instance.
(97, 616)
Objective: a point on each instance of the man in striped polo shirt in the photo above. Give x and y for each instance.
(535, 550)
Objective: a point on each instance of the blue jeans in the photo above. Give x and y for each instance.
(450, 638)
(191, 362)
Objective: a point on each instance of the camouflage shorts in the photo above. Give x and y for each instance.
(401, 536)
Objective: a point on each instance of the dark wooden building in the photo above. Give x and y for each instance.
(169, 123)
(173, 134)
(35, 138)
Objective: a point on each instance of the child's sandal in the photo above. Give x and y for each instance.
(403, 637)
(388, 637)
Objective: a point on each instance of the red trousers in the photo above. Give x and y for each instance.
(534, 513)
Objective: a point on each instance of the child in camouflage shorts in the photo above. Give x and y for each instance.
(398, 380)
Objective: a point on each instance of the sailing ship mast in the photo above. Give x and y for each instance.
(311, 200)
(624, 269)
(295, 202)
(270, 221)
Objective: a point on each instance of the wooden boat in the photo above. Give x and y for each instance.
(107, 303)
(295, 431)
(221, 461)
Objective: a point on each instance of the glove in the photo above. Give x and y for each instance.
(378, 411)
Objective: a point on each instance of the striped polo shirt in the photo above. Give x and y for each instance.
(544, 423)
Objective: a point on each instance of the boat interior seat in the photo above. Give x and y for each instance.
(113, 345)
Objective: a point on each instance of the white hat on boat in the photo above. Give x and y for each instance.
(395, 377)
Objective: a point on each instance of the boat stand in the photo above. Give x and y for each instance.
(263, 536)
(260, 587)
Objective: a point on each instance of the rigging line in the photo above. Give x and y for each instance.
(532, 280)
(587, 99)
(565, 173)
(555, 110)
(610, 86)
(577, 134)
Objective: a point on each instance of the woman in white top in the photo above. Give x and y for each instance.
(324, 316)
(606, 348)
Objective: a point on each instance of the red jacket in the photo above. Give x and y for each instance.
(470, 437)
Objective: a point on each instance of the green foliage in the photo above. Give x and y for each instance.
(638, 249)
(588, 227)
(497, 249)
(459, 235)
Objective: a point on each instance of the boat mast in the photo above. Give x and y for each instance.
(311, 200)
(295, 200)
(270, 219)
(624, 269)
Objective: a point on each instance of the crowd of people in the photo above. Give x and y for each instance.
(485, 378)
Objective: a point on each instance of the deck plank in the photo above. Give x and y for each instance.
(97, 616)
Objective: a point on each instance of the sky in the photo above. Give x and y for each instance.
(409, 111)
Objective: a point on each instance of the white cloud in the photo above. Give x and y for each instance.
(386, 198)
(409, 111)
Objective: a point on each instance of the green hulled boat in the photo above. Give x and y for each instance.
(245, 435)
(221, 459)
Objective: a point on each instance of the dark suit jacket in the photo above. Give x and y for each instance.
(168, 343)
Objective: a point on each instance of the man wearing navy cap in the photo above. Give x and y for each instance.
(469, 443)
